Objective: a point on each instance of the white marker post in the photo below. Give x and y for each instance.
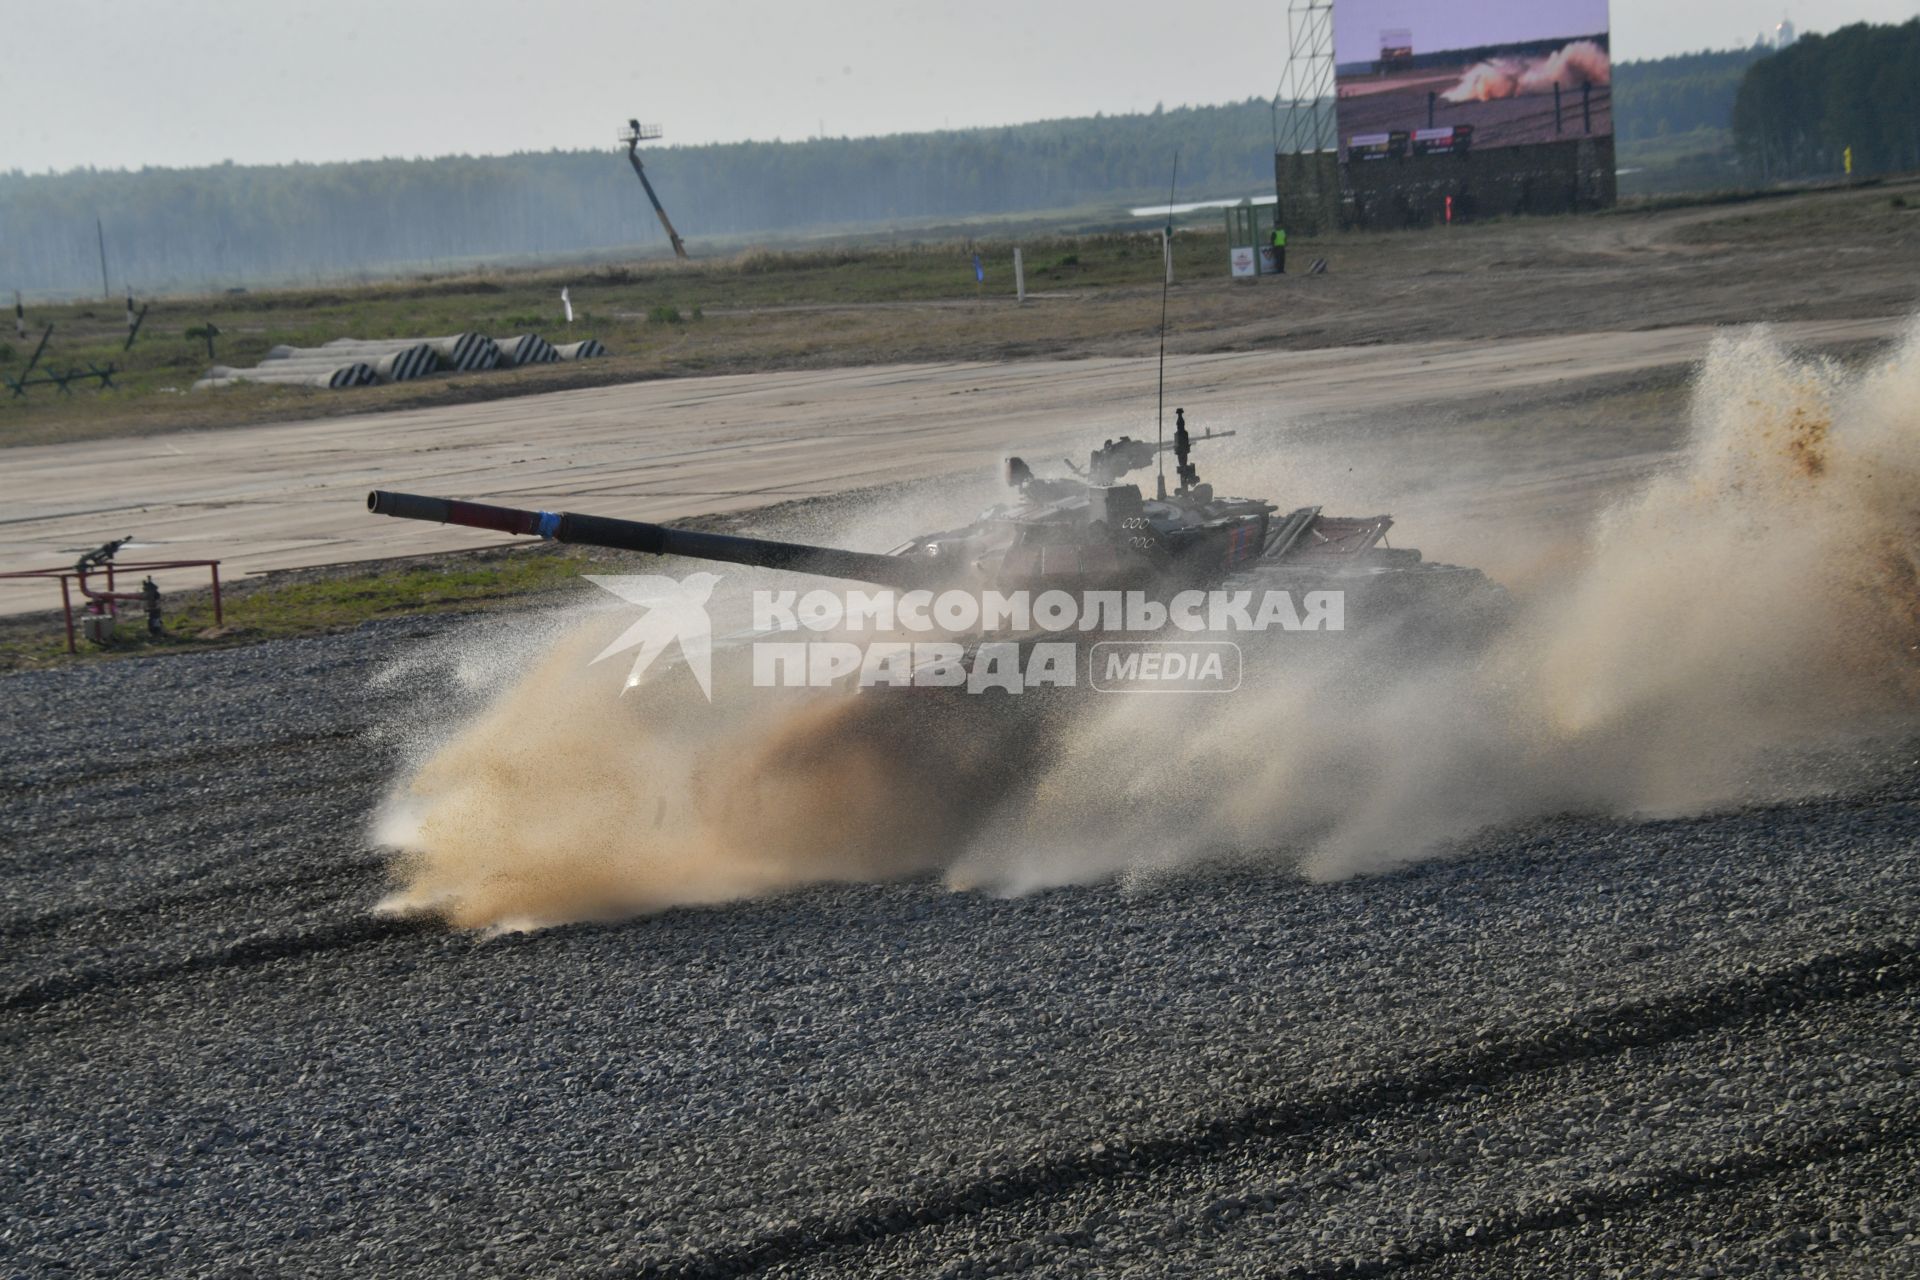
(1019, 277)
(567, 303)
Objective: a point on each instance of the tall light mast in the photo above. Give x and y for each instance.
(635, 134)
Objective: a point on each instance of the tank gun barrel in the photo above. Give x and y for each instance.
(658, 539)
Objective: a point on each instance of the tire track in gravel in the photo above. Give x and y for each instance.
(80, 822)
(1749, 998)
(175, 763)
(248, 953)
(1660, 1189)
(26, 927)
(227, 817)
(1560, 1212)
(76, 822)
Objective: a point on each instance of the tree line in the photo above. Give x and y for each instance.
(232, 224)
(1799, 110)
(1679, 94)
(227, 225)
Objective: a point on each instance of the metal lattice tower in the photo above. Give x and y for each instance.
(1306, 87)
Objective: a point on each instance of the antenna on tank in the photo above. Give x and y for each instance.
(1166, 278)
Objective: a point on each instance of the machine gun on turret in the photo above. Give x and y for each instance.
(1116, 458)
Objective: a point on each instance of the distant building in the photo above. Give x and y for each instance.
(1783, 35)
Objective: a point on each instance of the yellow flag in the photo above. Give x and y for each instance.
(1847, 157)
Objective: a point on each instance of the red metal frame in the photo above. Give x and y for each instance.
(106, 601)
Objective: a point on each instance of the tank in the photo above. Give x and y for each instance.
(1085, 532)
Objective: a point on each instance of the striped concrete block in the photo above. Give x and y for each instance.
(466, 352)
(334, 376)
(525, 348)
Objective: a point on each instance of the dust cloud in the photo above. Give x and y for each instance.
(1758, 597)
(1569, 67)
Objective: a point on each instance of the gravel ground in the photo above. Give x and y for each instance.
(1585, 1047)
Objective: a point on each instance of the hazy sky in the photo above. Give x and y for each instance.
(120, 83)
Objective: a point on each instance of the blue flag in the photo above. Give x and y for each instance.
(979, 272)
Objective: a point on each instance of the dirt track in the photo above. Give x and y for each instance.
(290, 495)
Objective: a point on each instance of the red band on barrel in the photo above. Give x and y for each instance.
(479, 515)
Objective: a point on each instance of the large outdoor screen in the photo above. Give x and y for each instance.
(1422, 78)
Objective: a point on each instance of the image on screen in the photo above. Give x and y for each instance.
(1417, 78)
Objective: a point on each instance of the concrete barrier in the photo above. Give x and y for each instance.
(401, 359)
(525, 348)
(466, 352)
(352, 374)
(461, 352)
(405, 363)
(392, 361)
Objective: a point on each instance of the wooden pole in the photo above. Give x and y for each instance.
(34, 359)
(106, 290)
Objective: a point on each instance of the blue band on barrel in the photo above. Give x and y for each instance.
(548, 525)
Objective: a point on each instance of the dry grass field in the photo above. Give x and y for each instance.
(1807, 256)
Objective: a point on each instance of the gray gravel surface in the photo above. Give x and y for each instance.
(1586, 1047)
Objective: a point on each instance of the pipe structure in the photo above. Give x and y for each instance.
(396, 361)
(333, 376)
(466, 352)
(461, 352)
(406, 363)
(525, 348)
